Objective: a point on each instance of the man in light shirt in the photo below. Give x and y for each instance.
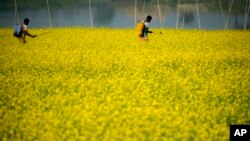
(146, 28)
(25, 31)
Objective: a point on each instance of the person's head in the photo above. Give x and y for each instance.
(26, 21)
(149, 18)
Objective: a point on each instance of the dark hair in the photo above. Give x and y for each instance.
(26, 21)
(149, 17)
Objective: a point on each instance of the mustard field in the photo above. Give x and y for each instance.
(77, 84)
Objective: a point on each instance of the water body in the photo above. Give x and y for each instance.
(207, 14)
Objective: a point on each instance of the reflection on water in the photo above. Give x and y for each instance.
(121, 13)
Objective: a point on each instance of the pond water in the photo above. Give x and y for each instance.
(207, 14)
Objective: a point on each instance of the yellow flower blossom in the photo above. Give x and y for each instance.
(102, 84)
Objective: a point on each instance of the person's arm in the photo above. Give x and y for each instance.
(25, 30)
(27, 33)
(147, 28)
(148, 31)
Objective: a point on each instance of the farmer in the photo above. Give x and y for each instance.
(145, 30)
(24, 31)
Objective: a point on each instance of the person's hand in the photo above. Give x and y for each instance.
(150, 32)
(33, 36)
